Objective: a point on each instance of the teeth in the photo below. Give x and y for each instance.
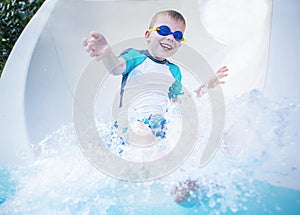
(166, 46)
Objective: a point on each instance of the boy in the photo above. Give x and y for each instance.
(164, 38)
(140, 69)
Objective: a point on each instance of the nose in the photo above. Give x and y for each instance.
(170, 37)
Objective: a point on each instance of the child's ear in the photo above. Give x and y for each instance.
(147, 36)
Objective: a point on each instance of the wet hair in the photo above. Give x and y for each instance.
(171, 13)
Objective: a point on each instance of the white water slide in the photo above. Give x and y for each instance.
(256, 39)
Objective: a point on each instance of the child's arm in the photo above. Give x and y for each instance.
(99, 48)
(220, 74)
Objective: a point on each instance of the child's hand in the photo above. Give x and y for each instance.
(97, 46)
(221, 73)
(219, 79)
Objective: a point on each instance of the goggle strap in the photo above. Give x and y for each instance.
(154, 29)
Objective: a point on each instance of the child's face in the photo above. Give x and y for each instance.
(162, 47)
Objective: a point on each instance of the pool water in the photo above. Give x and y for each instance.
(62, 181)
(123, 198)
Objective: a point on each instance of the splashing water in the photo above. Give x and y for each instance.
(259, 142)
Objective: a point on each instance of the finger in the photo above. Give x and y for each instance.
(93, 47)
(224, 67)
(222, 75)
(84, 41)
(222, 70)
(93, 54)
(88, 44)
(90, 48)
(95, 35)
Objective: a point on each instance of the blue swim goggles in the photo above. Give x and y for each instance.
(165, 31)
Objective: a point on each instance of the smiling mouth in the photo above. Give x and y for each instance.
(166, 46)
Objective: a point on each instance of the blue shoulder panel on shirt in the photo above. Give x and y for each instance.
(176, 89)
(133, 58)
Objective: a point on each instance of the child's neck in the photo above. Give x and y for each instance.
(155, 59)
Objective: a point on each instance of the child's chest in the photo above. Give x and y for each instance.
(152, 70)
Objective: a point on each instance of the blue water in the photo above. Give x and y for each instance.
(258, 198)
(256, 163)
